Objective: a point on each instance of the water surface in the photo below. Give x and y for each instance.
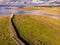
(5, 10)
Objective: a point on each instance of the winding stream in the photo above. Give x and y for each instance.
(17, 33)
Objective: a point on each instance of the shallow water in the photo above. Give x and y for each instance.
(4, 10)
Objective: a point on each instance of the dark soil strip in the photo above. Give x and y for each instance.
(18, 35)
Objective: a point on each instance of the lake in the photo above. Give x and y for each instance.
(8, 10)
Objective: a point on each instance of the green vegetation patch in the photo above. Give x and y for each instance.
(38, 30)
(4, 31)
